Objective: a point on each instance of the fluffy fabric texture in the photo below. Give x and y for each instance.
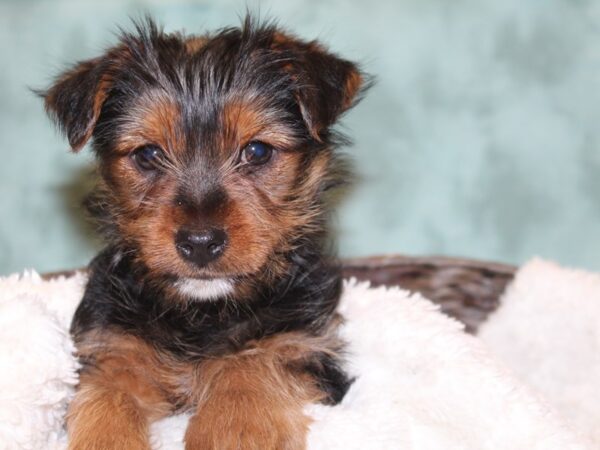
(548, 331)
(422, 383)
(39, 372)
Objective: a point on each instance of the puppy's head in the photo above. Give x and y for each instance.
(214, 151)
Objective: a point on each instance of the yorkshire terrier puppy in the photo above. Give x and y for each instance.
(215, 293)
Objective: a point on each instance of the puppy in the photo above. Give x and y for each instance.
(215, 293)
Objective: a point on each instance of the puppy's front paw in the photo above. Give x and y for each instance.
(112, 441)
(239, 427)
(105, 419)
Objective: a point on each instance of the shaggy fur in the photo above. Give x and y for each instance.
(224, 137)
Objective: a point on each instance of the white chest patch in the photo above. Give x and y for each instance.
(204, 289)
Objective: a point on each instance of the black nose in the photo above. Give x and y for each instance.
(201, 247)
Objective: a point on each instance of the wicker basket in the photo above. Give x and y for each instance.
(465, 289)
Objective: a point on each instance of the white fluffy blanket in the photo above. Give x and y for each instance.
(422, 383)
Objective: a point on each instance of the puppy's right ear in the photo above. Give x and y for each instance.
(75, 99)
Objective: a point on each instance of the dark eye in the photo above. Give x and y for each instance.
(256, 153)
(148, 157)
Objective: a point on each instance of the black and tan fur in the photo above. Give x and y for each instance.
(246, 362)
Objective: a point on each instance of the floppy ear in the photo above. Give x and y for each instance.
(75, 99)
(326, 84)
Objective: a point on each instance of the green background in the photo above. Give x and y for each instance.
(480, 139)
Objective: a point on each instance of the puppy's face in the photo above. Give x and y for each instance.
(214, 151)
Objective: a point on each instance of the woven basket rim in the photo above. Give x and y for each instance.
(395, 260)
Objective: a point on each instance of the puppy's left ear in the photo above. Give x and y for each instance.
(327, 85)
(75, 99)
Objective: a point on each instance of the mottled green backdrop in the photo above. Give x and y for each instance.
(480, 139)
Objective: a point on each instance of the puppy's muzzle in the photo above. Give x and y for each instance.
(201, 247)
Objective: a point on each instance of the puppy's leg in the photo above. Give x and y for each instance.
(121, 390)
(253, 401)
(101, 417)
(247, 417)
